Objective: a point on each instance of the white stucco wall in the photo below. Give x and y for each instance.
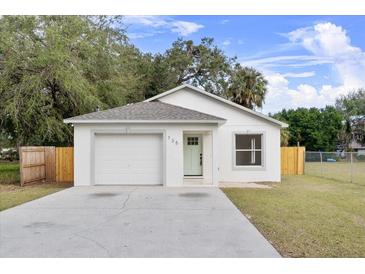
(173, 153)
(237, 121)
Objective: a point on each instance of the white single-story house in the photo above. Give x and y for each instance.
(184, 136)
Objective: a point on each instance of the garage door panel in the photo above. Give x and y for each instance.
(143, 178)
(128, 159)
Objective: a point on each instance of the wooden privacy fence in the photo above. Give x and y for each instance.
(37, 164)
(292, 160)
(45, 164)
(56, 164)
(64, 164)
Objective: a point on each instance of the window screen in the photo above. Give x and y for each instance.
(248, 149)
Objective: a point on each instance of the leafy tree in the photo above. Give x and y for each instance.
(284, 137)
(55, 67)
(352, 104)
(316, 129)
(159, 75)
(247, 87)
(352, 107)
(203, 65)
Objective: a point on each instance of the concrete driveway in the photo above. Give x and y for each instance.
(113, 221)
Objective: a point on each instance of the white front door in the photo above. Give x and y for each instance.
(133, 159)
(193, 155)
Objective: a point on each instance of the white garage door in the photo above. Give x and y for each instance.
(133, 159)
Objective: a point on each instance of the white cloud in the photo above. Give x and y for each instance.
(183, 28)
(140, 35)
(287, 61)
(147, 20)
(224, 21)
(328, 44)
(240, 42)
(226, 42)
(326, 40)
(280, 95)
(300, 74)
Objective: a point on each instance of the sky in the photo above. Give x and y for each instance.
(309, 61)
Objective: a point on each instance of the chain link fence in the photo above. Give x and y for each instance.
(341, 166)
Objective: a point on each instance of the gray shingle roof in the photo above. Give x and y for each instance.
(146, 111)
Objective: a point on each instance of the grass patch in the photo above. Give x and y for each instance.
(340, 171)
(307, 216)
(13, 195)
(9, 173)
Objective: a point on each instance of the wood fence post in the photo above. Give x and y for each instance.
(21, 166)
(304, 158)
(50, 160)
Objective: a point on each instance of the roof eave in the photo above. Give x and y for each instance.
(284, 125)
(113, 121)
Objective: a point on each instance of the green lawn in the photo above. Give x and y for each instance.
(12, 194)
(338, 171)
(9, 173)
(307, 216)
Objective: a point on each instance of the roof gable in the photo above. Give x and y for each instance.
(220, 99)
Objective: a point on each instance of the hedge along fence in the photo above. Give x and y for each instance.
(45, 164)
(292, 160)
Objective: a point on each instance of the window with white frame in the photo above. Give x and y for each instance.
(248, 150)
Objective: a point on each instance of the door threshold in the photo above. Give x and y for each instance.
(198, 185)
(193, 177)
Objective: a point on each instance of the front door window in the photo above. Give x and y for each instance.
(192, 155)
(193, 141)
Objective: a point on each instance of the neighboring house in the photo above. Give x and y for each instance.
(354, 137)
(184, 136)
(357, 142)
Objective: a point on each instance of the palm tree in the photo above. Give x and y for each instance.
(284, 137)
(247, 87)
